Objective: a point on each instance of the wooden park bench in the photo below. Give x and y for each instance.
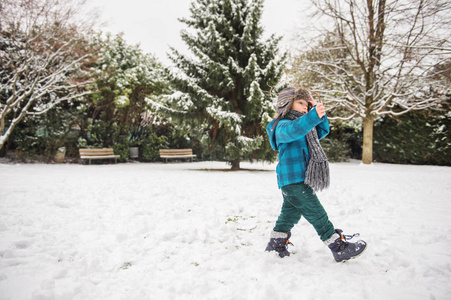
(176, 153)
(104, 153)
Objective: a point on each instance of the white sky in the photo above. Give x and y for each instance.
(154, 25)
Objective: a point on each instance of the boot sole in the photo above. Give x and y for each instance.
(278, 253)
(345, 260)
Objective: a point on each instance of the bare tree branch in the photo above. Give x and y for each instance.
(42, 55)
(377, 57)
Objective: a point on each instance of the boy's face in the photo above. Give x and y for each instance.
(300, 105)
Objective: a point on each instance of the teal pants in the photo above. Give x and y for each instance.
(299, 200)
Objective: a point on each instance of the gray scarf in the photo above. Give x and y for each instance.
(317, 175)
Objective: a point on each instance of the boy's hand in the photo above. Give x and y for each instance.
(312, 101)
(320, 110)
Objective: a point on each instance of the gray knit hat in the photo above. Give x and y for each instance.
(287, 97)
(285, 101)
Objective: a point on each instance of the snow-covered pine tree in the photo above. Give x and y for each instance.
(220, 89)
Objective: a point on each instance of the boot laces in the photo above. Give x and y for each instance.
(284, 245)
(347, 237)
(288, 240)
(343, 240)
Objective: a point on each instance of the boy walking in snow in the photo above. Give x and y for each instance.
(302, 170)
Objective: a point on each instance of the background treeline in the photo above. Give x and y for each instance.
(84, 89)
(113, 114)
(418, 137)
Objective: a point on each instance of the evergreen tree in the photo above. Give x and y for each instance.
(220, 89)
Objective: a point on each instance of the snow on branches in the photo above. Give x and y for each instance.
(42, 58)
(377, 58)
(221, 84)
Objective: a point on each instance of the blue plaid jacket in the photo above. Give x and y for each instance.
(288, 137)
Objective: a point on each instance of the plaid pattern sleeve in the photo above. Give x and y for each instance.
(287, 132)
(323, 128)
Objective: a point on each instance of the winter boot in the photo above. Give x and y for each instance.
(342, 249)
(279, 242)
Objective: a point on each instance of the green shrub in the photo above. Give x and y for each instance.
(414, 138)
(122, 148)
(149, 149)
(336, 150)
(41, 136)
(350, 133)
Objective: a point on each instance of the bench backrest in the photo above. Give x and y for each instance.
(96, 152)
(176, 151)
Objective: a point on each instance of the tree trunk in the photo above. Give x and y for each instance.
(2, 128)
(367, 151)
(236, 164)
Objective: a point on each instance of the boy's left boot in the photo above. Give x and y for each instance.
(279, 242)
(343, 250)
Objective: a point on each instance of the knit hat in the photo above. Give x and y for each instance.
(285, 101)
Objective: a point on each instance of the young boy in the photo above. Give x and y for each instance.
(302, 170)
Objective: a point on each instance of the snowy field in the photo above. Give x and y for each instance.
(170, 231)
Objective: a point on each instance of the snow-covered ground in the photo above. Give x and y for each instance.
(169, 231)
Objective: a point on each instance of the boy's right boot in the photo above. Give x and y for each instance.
(279, 242)
(343, 250)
